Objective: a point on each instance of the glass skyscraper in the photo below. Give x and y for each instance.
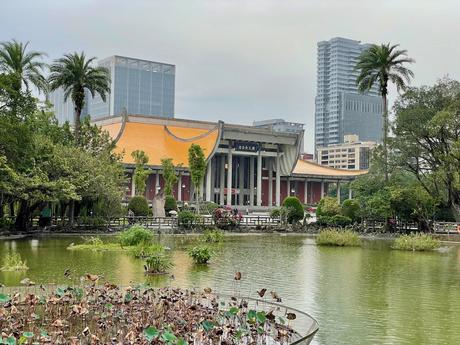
(137, 86)
(340, 109)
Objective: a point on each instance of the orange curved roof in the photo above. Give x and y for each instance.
(159, 141)
(113, 129)
(310, 168)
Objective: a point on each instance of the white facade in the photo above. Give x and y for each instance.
(351, 155)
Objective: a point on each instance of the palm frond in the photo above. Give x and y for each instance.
(380, 63)
(15, 59)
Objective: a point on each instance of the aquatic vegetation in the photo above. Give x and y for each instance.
(93, 240)
(337, 237)
(416, 242)
(96, 244)
(108, 314)
(159, 262)
(213, 236)
(135, 235)
(144, 250)
(13, 262)
(201, 254)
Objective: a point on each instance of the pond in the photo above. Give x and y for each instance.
(369, 295)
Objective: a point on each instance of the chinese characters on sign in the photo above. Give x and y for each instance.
(246, 146)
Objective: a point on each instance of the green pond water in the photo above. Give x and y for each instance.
(369, 295)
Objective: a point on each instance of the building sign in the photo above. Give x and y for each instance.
(233, 191)
(246, 146)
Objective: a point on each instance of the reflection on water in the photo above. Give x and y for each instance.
(369, 295)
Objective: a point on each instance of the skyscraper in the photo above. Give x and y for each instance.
(340, 109)
(138, 86)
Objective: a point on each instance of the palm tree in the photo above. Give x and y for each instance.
(378, 65)
(74, 74)
(24, 65)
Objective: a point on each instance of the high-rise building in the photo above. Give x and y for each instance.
(340, 109)
(136, 86)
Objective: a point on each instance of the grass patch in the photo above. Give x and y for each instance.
(200, 254)
(95, 244)
(13, 262)
(416, 242)
(340, 238)
(143, 250)
(158, 263)
(213, 236)
(135, 235)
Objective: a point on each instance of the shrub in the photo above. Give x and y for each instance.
(187, 219)
(213, 236)
(328, 206)
(350, 209)
(144, 250)
(158, 263)
(135, 235)
(226, 218)
(275, 213)
(419, 242)
(200, 254)
(210, 207)
(335, 237)
(13, 262)
(170, 204)
(6, 223)
(295, 207)
(337, 220)
(139, 205)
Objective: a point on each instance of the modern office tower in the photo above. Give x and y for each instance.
(136, 87)
(340, 109)
(353, 154)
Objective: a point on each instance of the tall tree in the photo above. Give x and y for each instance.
(427, 139)
(24, 65)
(380, 64)
(169, 175)
(74, 73)
(197, 166)
(140, 173)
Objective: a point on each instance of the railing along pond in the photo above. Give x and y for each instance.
(117, 223)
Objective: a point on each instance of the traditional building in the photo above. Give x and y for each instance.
(246, 166)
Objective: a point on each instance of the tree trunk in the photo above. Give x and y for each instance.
(197, 197)
(72, 212)
(77, 124)
(63, 211)
(22, 220)
(385, 134)
(11, 206)
(2, 213)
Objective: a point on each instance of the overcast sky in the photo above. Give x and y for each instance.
(239, 61)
